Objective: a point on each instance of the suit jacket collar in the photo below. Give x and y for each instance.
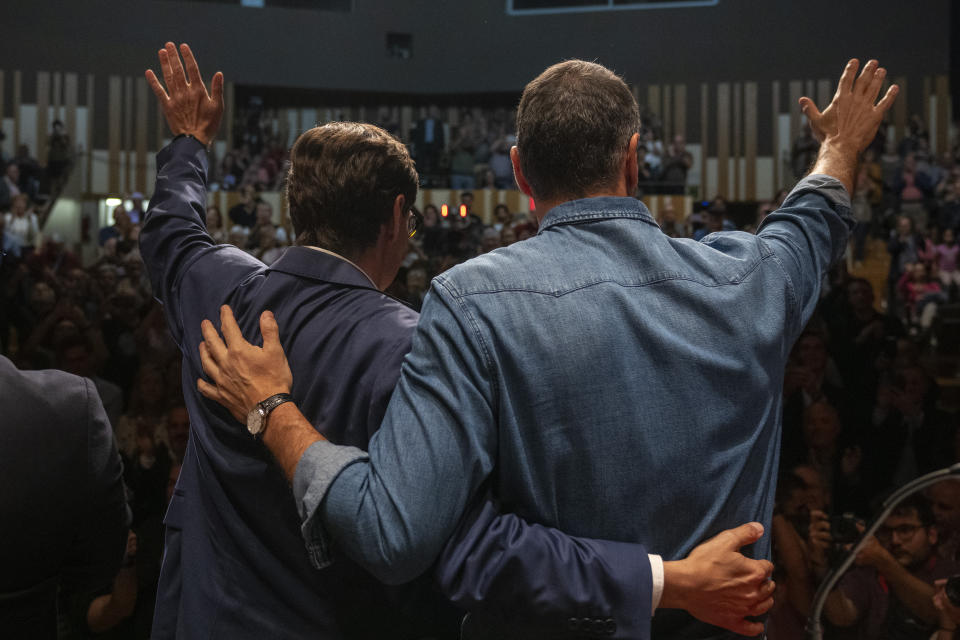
(305, 262)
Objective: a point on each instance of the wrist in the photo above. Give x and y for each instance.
(678, 582)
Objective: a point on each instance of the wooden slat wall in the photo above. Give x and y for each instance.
(140, 135)
(942, 89)
(667, 115)
(737, 137)
(926, 112)
(900, 109)
(114, 133)
(825, 91)
(17, 96)
(653, 98)
(127, 144)
(750, 117)
(71, 95)
(88, 184)
(723, 139)
(775, 128)
(2, 95)
(704, 137)
(229, 93)
(680, 109)
(43, 106)
(796, 92)
(57, 96)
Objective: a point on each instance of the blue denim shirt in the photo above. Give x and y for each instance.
(602, 377)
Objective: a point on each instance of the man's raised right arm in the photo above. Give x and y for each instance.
(809, 232)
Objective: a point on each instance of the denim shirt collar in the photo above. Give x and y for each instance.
(601, 208)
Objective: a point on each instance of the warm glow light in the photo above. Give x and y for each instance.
(463, 211)
(444, 210)
(533, 205)
(113, 202)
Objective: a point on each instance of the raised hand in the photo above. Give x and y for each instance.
(719, 585)
(187, 105)
(854, 103)
(242, 374)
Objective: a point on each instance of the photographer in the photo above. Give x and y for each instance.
(890, 592)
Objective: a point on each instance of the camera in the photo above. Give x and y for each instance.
(952, 589)
(844, 531)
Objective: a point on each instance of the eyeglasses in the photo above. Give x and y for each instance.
(414, 222)
(904, 532)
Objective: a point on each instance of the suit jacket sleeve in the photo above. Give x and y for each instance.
(174, 242)
(528, 581)
(95, 556)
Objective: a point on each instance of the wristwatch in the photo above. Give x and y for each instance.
(257, 418)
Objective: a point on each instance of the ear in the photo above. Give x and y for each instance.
(398, 222)
(518, 172)
(631, 169)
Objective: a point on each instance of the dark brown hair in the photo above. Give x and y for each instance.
(574, 123)
(342, 183)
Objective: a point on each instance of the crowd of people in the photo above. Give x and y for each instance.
(861, 410)
(473, 153)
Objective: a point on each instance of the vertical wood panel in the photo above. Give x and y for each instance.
(723, 139)
(750, 139)
(114, 133)
(2, 95)
(810, 90)
(900, 109)
(229, 97)
(140, 136)
(825, 92)
(704, 139)
(667, 114)
(127, 144)
(406, 122)
(653, 98)
(17, 97)
(88, 184)
(796, 92)
(162, 128)
(680, 109)
(737, 137)
(43, 106)
(71, 87)
(58, 96)
(942, 85)
(926, 113)
(775, 119)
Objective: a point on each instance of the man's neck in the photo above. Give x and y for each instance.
(544, 206)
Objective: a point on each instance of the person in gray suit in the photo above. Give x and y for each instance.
(65, 517)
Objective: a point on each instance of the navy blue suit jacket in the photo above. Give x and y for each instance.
(235, 564)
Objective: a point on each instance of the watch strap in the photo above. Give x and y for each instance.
(268, 405)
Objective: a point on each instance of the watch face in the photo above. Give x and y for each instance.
(255, 421)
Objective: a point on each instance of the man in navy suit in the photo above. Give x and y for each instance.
(235, 564)
(64, 509)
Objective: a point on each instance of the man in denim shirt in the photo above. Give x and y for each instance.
(601, 377)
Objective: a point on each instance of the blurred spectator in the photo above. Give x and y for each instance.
(676, 163)
(920, 295)
(215, 224)
(245, 213)
(9, 185)
(890, 593)
(59, 156)
(136, 211)
(804, 151)
(945, 500)
(947, 267)
(119, 230)
(905, 247)
(22, 222)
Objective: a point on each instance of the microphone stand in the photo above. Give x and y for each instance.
(814, 626)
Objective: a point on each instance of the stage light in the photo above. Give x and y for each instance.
(113, 202)
(533, 205)
(463, 211)
(444, 210)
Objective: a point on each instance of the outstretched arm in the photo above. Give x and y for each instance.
(174, 231)
(498, 562)
(809, 232)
